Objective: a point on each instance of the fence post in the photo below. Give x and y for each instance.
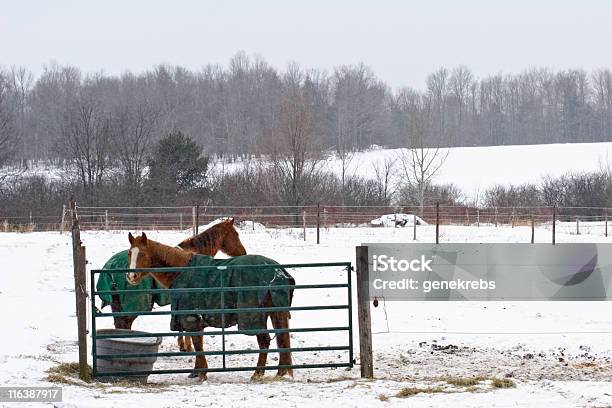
(80, 290)
(606, 229)
(437, 222)
(63, 219)
(304, 222)
(363, 312)
(181, 221)
(467, 216)
(512, 219)
(532, 229)
(318, 224)
(197, 220)
(554, 220)
(577, 226)
(106, 220)
(414, 227)
(478, 217)
(193, 221)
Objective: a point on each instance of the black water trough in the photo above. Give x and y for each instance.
(125, 346)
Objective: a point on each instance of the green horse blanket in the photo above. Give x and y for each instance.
(117, 281)
(268, 278)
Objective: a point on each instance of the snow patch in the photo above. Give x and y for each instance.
(398, 220)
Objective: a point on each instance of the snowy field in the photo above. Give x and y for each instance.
(557, 353)
(503, 164)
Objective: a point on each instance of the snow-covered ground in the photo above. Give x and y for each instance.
(504, 164)
(557, 353)
(499, 164)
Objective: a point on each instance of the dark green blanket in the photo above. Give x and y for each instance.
(117, 281)
(232, 277)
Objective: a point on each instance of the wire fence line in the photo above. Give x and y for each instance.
(569, 220)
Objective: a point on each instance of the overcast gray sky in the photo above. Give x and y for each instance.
(402, 41)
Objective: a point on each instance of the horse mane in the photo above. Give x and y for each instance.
(167, 255)
(206, 242)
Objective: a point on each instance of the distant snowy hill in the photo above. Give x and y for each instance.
(472, 169)
(476, 168)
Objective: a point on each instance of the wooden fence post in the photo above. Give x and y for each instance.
(363, 312)
(554, 224)
(197, 220)
(193, 221)
(437, 222)
(318, 223)
(606, 229)
(532, 229)
(577, 225)
(106, 220)
(80, 290)
(304, 222)
(414, 222)
(478, 217)
(62, 225)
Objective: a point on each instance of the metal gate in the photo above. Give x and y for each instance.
(347, 330)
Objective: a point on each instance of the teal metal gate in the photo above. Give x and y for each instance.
(347, 329)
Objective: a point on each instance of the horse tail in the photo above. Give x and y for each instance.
(291, 282)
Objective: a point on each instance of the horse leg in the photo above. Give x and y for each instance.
(263, 340)
(280, 320)
(200, 362)
(185, 343)
(189, 343)
(121, 322)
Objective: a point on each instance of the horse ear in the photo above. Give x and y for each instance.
(131, 238)
(144, 238)
(231, 221)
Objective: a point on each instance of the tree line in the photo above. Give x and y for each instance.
(233, 111)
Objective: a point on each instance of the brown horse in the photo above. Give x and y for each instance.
(145, 253)
(220, 237)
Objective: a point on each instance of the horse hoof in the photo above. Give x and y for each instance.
(194, 375)
(288, 375)
(257, 376)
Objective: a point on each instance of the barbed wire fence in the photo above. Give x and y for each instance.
(559, 220)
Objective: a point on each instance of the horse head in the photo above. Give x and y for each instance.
(231, 244)
(220, 237)
(139, 256)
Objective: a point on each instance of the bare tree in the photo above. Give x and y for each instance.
(295, 153)
(419, 164)
(8, 136)
(460, 83)
(384, 175)
(87, 143)
(134, 128)
(437, 91)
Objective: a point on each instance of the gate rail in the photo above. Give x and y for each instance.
(348, 346)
